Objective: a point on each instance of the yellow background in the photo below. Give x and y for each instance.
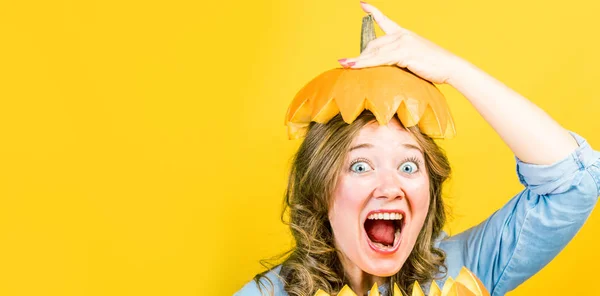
(142, 146)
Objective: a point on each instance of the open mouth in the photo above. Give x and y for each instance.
(384, 230)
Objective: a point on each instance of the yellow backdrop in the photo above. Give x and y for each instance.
(142, 146)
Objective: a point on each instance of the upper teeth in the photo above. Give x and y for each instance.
(386, 216)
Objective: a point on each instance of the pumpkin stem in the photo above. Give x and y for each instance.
(367, 32)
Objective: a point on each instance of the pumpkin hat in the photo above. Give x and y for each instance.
(383, 90)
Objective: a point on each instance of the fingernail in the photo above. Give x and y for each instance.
(363, 2)
(342, 60)
(350, 64)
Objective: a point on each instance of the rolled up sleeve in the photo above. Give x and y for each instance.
(562, 175)
(524, 235)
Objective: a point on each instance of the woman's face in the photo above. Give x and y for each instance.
(381, 200)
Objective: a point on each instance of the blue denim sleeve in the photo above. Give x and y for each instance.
(270, 286)
(533, 227)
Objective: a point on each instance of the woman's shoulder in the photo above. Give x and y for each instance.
(269, 284)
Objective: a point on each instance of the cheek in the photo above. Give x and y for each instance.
(418, 191)
(350, 195)
(348, 201)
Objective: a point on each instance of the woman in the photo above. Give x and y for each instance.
(365, 199)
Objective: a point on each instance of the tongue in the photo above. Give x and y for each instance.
(380, 231)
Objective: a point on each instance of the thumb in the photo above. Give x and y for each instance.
(387, 25)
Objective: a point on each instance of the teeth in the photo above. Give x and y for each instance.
(386, 216)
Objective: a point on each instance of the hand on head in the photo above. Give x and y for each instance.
(405, 49)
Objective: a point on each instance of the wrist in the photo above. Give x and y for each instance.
(462, 74)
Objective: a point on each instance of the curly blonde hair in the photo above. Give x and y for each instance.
(313, 262)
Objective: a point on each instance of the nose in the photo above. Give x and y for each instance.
(389, 185)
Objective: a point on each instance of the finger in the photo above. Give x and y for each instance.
(377, 50)
(365, 60)
(386, 24)
(372, 61)
(380, 42)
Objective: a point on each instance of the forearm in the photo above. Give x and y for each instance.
(531, 134)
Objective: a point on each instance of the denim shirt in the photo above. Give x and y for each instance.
(524, 235)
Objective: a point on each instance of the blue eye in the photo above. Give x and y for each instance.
(360, 167)
(409, 167)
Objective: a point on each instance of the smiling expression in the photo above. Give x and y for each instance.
(383, 173)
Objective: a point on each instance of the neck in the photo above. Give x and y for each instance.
(359, 281)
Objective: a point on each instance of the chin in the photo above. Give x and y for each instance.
(385, 267)
(384, 273)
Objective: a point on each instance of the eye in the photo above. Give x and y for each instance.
(409, 167)
(360, 167)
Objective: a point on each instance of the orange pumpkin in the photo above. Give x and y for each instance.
(383, 90)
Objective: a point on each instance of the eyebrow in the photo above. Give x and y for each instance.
(367, 145)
